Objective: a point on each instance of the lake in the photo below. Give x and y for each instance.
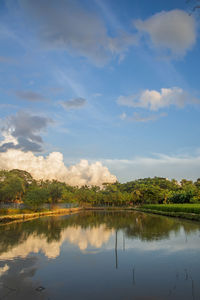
(100, 255)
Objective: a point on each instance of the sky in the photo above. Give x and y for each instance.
(100, 89)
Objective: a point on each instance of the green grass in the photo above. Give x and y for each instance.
(15, 211)
(184, 208)
(6, 218)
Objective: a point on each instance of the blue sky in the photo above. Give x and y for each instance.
(103, 80)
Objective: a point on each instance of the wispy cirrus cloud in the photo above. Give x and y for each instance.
(30, 96)
(7, 60)
(68, 26)
(168, 166)
(136, 117)
(75, 103)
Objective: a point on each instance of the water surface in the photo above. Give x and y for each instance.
(99, 255)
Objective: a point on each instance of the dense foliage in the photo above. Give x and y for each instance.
(185, 208)
(19, 186)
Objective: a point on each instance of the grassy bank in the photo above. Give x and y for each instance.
(186, 211)
(13, 215)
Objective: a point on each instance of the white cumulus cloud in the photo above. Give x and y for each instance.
(53, 167)
(174, 30)
(155, 100)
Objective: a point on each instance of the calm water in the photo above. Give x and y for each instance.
(98, 255)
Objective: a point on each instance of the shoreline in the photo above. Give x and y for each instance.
(5, 219)
(181, 215)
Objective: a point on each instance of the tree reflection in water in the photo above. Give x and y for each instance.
(95, 232)
(145, 227)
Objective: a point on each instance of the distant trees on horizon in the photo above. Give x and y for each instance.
(17, 186)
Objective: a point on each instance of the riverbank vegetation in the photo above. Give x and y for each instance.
(185, 211)
(185, 208)
(11, 215)
(17, 186)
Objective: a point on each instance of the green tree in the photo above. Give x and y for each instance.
(55, 190)
(35, 197)
(12, 189)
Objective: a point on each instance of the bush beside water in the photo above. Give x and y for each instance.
(185, 208)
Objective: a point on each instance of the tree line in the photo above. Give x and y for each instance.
(17, 186)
